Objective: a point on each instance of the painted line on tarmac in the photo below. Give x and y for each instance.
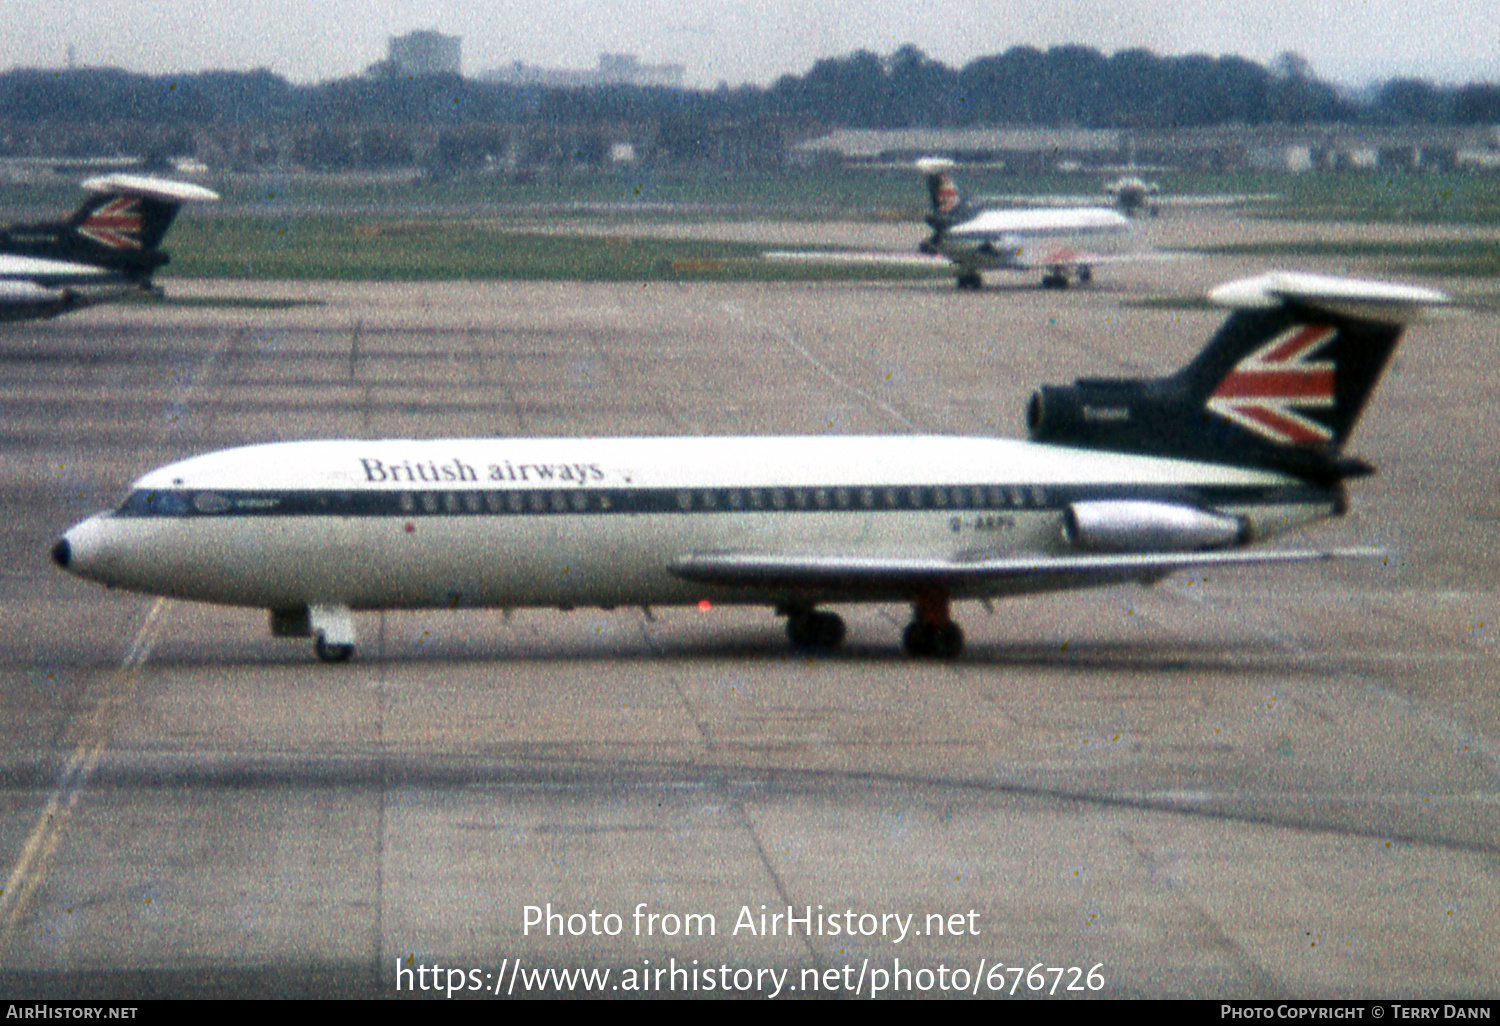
(785, 337)
(30, 869)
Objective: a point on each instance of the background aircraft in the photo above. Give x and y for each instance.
(1065, 243)
(109, 246)
(1135, 196)
(1124, 480)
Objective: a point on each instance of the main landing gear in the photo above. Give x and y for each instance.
(1057, 277)
(809, 628)
(932, 634)
(970, 281)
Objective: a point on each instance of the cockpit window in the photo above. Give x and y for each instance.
(153, 502)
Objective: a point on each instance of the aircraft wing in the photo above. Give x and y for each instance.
(1071, 257)
(1042, 253)
(900, 576)
(882, 258)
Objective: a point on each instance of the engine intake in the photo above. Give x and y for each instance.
(1105, 413)
(1118, 525)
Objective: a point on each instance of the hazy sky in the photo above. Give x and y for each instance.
(1349, 41)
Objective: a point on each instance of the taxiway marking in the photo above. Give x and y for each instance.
(31, 867)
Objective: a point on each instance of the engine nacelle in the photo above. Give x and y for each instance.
(1104, 413)
(1125, 525)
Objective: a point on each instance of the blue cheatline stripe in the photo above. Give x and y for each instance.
(605, 501)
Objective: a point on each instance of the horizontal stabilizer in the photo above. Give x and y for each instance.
(152, 188)
(934, 165)
(1348, 297)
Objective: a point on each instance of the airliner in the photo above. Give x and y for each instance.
(1122, 480)
(1065, 243)
(109, 247)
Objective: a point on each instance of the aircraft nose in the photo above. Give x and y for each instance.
(85, 549)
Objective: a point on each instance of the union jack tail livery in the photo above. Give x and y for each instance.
(116, 224)
(1276, 390)
(1280, 386)
(111, 246)
(123, 223)
(948, 206)
(118, 229)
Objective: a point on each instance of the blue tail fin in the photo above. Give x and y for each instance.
(1281, 385)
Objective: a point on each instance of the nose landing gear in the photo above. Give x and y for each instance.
(331, 652)
(330, 627)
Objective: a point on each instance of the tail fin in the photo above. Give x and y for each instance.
(946, 204)
(122, 224)
(1280, 385)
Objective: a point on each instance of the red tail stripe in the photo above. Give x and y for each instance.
(1277, 384)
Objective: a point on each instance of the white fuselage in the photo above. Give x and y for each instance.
(1027, 239)
(599, 522)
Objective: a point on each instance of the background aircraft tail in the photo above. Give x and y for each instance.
(1280, 385)
(947, 205)
(122, 224)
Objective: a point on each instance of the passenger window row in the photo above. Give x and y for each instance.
(889, 498)
(167, 502)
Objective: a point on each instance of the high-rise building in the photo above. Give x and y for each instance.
(426, 53)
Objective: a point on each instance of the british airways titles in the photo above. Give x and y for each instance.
(433, 472)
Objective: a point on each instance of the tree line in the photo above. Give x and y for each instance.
(1063, 86)
(457, 123)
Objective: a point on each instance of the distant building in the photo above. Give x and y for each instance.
(613, 69)
(1028, 149)
(626, 69)
(426, 53)
(1271, 148)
